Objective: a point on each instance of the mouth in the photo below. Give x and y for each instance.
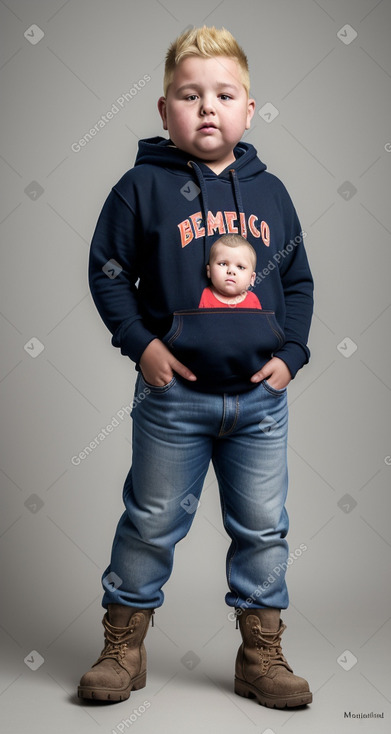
(207, 126)
(230, 280)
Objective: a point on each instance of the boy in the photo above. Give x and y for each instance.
(231, 274)
(196, 183)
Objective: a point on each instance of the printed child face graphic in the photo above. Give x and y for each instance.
(231, 271)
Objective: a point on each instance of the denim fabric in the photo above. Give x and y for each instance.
(176, 433)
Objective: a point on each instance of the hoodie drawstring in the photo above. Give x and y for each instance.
(205, 205)
(238, 200)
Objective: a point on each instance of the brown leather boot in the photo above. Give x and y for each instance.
(122, 665)
(261, 670)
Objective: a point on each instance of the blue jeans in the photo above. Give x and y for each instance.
(177, 431)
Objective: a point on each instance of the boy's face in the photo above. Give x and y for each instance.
(231, 270)
(207, 110)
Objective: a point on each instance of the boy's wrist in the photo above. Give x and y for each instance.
(133, 340)
(294, 355)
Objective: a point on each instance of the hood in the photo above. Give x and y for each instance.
(162, 152)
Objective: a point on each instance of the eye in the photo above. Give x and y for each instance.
(241, 267)
(222, 263)
(191, 97)
(224, 97)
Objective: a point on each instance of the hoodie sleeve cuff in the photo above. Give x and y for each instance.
(132, 339)
(294, 355)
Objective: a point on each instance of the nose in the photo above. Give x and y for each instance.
(207, 106)
(231, 270)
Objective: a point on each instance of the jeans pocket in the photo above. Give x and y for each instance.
(273, 390)
(158, 388)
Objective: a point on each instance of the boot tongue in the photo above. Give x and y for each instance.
(268, 628)
(120, 615)
(269, 618)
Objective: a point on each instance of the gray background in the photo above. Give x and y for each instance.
(330, 143)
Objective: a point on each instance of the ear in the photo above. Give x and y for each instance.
(208, 270)
(252, 279)
(162, 107)
(250, 112)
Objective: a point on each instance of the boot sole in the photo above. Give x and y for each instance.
(112, 694)
(265, 699)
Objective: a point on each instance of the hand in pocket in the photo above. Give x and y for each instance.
(158, 365)
(276, 372)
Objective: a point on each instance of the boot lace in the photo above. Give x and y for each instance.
(116, 641)
(268, 645)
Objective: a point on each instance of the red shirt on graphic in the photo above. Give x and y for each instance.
(209, 300)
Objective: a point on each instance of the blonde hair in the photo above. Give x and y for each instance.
(233, 240)
(206, 42)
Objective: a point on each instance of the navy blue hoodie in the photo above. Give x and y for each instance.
(148, 257)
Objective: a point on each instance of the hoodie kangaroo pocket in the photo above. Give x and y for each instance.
(223, 346)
